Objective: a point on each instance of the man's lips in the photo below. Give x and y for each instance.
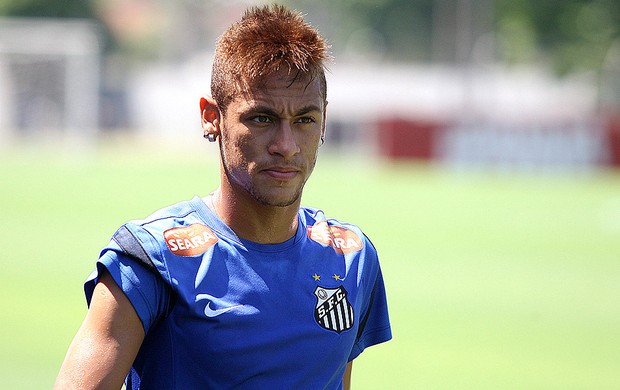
(282, 173)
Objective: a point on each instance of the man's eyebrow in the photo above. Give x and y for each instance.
(307, 109)
(271, 112)
(262, 109)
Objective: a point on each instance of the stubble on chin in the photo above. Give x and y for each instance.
(269, 201)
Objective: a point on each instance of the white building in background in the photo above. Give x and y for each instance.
(368, 92)
(507, 118)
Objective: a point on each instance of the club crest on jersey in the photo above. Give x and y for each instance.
(192, 240)
(340, 239)
(333, 310)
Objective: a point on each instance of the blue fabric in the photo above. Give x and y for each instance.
(222, 312)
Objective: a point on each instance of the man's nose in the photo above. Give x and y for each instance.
(284, 142)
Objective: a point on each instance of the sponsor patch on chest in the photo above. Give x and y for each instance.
(333, 311)
(192, 240)
(340, 239)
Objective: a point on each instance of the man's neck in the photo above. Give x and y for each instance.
(253, 221)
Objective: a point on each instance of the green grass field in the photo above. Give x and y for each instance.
(494, 281)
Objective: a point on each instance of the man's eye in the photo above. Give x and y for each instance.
(261, 119)
(305, 120)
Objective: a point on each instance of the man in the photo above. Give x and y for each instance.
(243, 288)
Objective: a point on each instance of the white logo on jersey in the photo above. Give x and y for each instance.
(210, 312)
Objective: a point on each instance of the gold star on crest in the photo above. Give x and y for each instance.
(316, 277)
(336, 277)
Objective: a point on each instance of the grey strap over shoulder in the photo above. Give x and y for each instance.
(132, 247)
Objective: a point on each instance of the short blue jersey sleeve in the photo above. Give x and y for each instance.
(375, 324)
(147, 291)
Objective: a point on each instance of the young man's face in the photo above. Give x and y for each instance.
(270, 139)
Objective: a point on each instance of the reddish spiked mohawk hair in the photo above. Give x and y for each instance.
(266, 40)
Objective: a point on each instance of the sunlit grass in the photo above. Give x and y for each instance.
(494, 281)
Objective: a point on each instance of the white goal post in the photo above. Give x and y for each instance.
(49, 79)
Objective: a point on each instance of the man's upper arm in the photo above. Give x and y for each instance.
(106, 344)
(346, 379)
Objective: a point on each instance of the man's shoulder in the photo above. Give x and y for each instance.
(155, 225)
(333, 231)
(313, 216)
(178, 229)
(176, 211)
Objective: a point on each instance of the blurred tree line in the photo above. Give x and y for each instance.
(60, 9)
(47, 8)
(568, 35)
(575, 34)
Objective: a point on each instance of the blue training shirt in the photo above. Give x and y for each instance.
(221, 312)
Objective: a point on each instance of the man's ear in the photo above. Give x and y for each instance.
(209, 116)
(324, 123)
